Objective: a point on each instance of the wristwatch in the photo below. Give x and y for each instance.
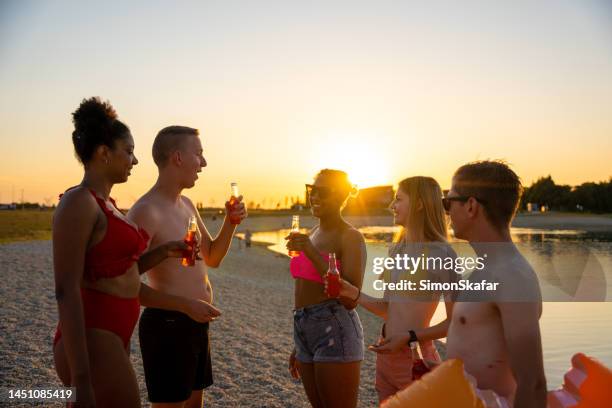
(413, 337)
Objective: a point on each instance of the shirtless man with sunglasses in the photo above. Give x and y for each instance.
(497, 335)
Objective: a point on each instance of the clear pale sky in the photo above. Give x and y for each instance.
(384, 90)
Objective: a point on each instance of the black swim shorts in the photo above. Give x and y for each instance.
(175, 355)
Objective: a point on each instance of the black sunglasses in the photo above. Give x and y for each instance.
(446, 201)
(322, 191)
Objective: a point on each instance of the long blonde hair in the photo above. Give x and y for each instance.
(431, 218)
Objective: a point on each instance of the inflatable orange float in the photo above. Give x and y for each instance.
(445, 386)
(588, 384)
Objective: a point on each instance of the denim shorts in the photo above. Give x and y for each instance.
(327, 333)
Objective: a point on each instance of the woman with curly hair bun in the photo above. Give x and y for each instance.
(97, 257)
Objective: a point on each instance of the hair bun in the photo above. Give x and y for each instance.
(95, 123)
(93, 113)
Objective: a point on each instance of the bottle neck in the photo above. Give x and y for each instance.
(332, 263)
(193, 226)
(415, 350)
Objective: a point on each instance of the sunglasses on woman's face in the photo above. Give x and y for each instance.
(321, 191)
(446, 201)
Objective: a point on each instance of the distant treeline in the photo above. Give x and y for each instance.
(591, 197)
(25, 206)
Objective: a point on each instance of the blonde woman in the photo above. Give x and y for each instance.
(418, 208)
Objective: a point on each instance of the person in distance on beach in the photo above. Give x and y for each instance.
(327, 332)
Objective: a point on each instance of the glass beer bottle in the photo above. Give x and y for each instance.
(233, 201)
(189, 255)
(295, 228)
(333, 278)
(419, 368)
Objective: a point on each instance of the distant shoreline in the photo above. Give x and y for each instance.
(564, 221)
(545, 221)
(34, 225)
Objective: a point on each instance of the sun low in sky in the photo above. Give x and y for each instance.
(366, 163)
(279, 90)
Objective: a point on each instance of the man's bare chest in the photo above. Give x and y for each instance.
(172, 225)
(471, 314)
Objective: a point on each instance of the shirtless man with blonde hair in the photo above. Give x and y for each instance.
(173, 329)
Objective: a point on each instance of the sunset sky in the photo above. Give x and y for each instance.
(279, 90)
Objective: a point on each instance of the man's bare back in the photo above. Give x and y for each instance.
(165, 219)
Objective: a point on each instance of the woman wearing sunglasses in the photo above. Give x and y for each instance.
(327, 332)
(418, 208)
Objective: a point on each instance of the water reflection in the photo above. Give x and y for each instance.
(573, 264)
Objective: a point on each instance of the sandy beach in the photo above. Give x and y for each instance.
(250, 342)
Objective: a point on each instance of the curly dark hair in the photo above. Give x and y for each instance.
(95, 124)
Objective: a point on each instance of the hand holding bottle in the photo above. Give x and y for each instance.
(175, 249)
(191, 240)
(419, 368)
(236, 211)
(296, 241)
(295, 229)
(332, 278)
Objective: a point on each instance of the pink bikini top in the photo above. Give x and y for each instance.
(301, 268)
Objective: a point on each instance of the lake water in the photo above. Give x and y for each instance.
(569, 264)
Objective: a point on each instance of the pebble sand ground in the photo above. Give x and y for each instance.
(250, 342)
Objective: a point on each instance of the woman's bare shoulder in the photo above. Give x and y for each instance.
(77, 198)
(77, 208)
(350, 235)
